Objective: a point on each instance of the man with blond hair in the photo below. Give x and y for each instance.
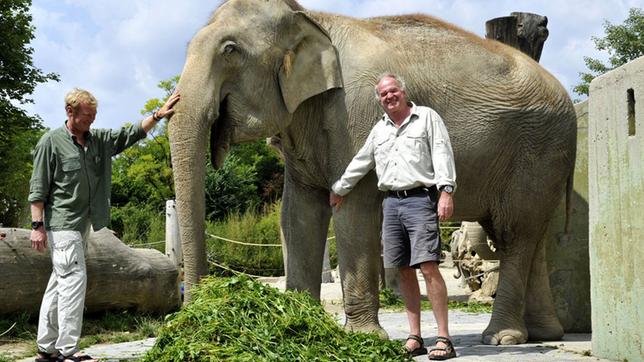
(411, 152)
(69, 195)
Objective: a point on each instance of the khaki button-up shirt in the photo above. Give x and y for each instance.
(418, 153)
(74, 181)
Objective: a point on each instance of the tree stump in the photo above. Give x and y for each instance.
(119, 277)
(524, 31)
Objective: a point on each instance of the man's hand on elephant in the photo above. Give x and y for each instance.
(167, 109)
(39, 239)
(335, 200)
(445, 206)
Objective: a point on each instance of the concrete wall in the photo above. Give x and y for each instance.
(567, 254)
(616, 209)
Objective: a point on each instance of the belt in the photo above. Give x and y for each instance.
(406, 193)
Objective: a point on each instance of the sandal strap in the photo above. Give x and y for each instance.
(445, 340)
(417, 339)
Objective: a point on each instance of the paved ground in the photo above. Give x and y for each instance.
(465, 328)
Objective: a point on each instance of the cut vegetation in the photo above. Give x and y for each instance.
(239, 319)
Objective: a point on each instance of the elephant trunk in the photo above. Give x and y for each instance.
(188, 139)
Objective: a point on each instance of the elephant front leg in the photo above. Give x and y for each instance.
(305, 223)
(357, 230)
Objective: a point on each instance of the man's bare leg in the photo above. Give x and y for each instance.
(437, 294)
(411, 296)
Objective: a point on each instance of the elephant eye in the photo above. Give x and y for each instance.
(229, 47)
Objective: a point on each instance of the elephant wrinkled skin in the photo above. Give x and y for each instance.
(267, 67)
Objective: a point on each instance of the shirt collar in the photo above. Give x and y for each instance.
(88, 134)
(414, 111)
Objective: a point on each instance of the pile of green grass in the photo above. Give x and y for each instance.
(239, 319)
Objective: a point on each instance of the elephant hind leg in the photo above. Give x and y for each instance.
(516, 239)
(540, 315)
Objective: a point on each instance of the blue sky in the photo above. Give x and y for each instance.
(120, 49)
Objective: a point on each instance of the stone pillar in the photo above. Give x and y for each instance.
(567, 254)
(616, 204)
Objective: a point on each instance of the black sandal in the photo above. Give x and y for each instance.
(73, 358)
(449, 349)
(46, 357)
(418, 351)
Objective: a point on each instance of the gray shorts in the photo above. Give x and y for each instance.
(410, 232)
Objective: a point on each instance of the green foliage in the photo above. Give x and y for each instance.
(623, 43)
(230, 189)
(19, 132)
(18, 327)
(447, 228)
(142, 174)
(388, 299)
(106, 327)
(251, 176)
(250, 227)
(139, 223)
(238, 319)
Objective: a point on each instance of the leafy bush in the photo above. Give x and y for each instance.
(251, 176)
(238, 319)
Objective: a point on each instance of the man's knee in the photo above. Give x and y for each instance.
(430, 270)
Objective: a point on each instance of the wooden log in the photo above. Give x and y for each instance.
(119, 277)
(524, 31)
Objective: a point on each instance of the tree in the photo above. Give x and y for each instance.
(19, 132)
(623, 43)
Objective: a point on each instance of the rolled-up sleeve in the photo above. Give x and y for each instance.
(125, 137)
(41, 176)
(360, 165)
(442, 154)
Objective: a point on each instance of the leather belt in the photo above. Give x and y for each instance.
(406, 193)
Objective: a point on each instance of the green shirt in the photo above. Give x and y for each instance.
(75, 182)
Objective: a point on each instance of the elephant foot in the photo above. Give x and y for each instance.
(544, 329)
(374, 328)
(504, 336)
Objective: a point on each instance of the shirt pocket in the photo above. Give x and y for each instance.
(71, 169)
(382, 145)
(417, 146)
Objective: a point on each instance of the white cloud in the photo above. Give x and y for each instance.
(121, 49)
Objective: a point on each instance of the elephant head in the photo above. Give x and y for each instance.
(246, 73)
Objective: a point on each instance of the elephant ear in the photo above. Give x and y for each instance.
(311, 66)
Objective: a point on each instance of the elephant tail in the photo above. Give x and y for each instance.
(569, 193)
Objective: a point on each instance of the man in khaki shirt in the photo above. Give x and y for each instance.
(412, 155)
(69, 194)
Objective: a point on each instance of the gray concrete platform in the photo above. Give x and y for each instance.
(465, 328)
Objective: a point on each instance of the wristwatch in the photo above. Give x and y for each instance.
(447, 188)
(36, 224)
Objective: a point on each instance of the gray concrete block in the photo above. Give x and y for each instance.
(616, 203)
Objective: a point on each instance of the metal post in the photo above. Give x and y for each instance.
(172, 238)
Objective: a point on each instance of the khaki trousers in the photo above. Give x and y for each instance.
(61, 312)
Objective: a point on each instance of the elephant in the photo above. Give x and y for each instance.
(260, 68)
